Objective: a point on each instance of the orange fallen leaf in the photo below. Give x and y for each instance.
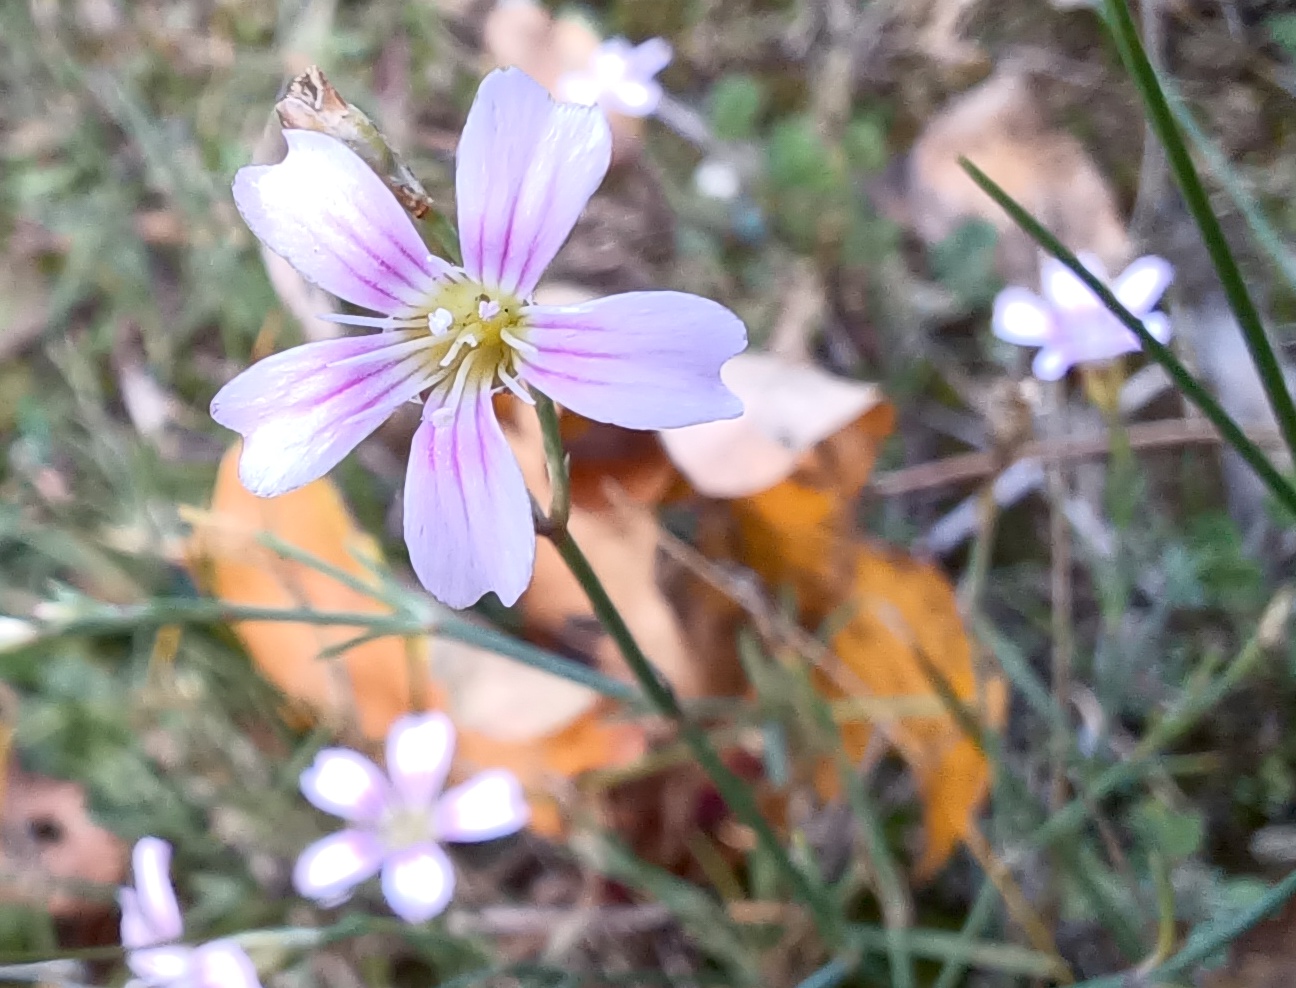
(905, 613)
(900, 614)
(369, 681)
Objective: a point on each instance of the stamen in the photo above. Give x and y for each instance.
(516, 343)
(460, 381)
(488, 308)
(394, 350)
(369, 322)
(464, 340)
(439, 322)
(514, 385)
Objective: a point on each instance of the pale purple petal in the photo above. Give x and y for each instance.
(135, 929)
(331, 867)
(468, 520)
(1158, 324)
(160, 965)
(1142, 284)
(526, 168)
(154, 895)
(419, 748)
(579, 87)
(650, 57)
(634, 97)
(223, 964)
(487, 806)
(1021, 317)
(347, 784)
(418, 882)
(1064, 290)
(326, 212)
(1051, 364)
(301, 411)
(643, 360)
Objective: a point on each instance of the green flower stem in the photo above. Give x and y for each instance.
(556, 461)
(191, 610)
(1161, 117)
(736, 794)
(1163, 355)
(1204, 942)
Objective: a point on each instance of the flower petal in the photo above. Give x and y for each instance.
(467, 511)
(1158, 324)
(1051, 364)
(223, 964)
(347, 784)
(650, 57)
(526, 167)
(418, 882)
(419, 748)
(634, 97)
(331, 867)
(155, 898)
(487, 806)
(160, 965)
(326, 212)
(1142, 284)
(301, 411)
(643, 360)
(1064, 290)
(1021, 317)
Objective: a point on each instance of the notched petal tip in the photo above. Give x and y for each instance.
(419, 751)
(486, 807)
(330, 868)
(418, 883)
(346, 784)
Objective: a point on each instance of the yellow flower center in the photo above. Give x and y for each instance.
(478, 337)
(404, 827)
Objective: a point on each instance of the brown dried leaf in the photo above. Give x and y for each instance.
(788, 409)
(50, 848)
(999, 128)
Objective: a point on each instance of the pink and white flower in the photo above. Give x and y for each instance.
(619, 77)
(151, 928)
(454, 336)
(398, 821)
(1071, 325)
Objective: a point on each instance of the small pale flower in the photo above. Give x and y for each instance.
(398, 821)
(1070, 324)
(151, 926)
(456, 336)
(619, 77)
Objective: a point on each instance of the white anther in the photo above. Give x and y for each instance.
(440, 321)
(443, 416)
(488, 308)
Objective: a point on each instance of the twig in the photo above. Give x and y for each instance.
(975, 466)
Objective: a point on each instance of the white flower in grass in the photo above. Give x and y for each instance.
(619, 77)
(1071, 325)
(151, 925)
(398, 821)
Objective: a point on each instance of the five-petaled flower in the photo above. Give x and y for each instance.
(619, 77)
(456, 335)
(151, 926)
(399, 820)
(1071, 325)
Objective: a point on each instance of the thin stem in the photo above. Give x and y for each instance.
(1162, 119)
(1154, 348)
(661, 696)
(556, 461)
(191, 610)
(1206, 941)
